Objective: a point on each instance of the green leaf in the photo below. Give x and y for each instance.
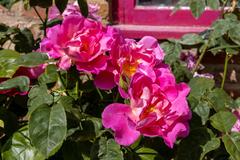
(21, 83)
(67, 102)
(199, 86)
(38, 96)
(1, 123)
(203, 111)
(83, 7)
(8, 65)
(106, 149)
(220, 100)
(8, 3)
(211, 145)
(232, 145)
(220, 28)
(223, 121)
(197, 7)
(32, 59)
(172, 50)
(50, 75)
(214, 4)
(88, 129)
(48, 128)
(191, 39)
(147, 153)
(24, 41)
(234, 34)
(10, 121)
(76, 150)
(61, 4)
(191, 148)
(19, 147)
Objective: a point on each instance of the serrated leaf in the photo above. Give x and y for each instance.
(67, 102)
(19, 147)
(24, 41)
(8, 65)
(106, 149)
(223, 121)
(191, 39)
(38, 95)
(221, 27)
(61, 4)
(88, 129)
(234, 34)
(50, 75)
(199, 86)
(20, 83)
(203, 111)
(190, 148)
(220, 100)
(211, 145)
(32, 59)
(214, 4)
(232, 145)
(48, 128)
(197, 7)
(172, 51)
(76, 150)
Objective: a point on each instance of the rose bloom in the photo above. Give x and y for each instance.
(158, 108)
(79, 41)
(127, 56)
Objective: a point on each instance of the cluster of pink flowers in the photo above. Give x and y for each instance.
(157, 104)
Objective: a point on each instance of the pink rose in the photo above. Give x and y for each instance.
(127, 56)
(79, 41)
(158, 107)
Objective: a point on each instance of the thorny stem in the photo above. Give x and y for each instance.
(227, 58)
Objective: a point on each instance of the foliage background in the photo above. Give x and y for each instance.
(61, 120)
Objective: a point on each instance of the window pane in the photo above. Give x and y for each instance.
(157, 2)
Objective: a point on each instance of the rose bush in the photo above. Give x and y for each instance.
(83, 91)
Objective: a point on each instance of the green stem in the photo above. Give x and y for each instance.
(200, 58)
(227, 58)
(45, 23)
(38, 15)
(62, 82)
(100, 94)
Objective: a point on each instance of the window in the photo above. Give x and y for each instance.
(136, 18)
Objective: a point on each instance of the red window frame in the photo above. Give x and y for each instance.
(137, 21)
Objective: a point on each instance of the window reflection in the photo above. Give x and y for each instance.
(157, 2)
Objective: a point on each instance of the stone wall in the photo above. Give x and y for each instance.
(18, 16)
